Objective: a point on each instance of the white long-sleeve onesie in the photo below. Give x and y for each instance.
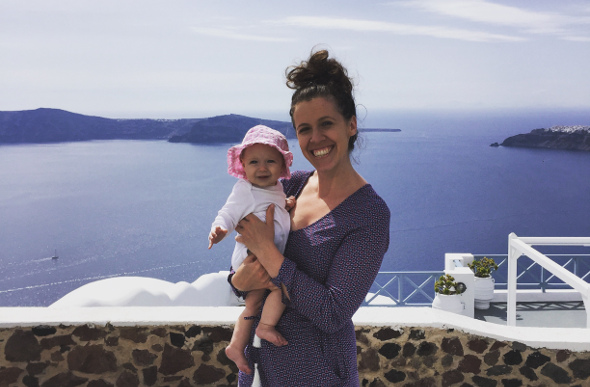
(245, 199)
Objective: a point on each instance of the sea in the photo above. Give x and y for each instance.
(144, 208)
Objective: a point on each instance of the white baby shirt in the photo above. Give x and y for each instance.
(245, 199)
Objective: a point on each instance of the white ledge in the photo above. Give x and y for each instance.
(123, 316)
(574, 339)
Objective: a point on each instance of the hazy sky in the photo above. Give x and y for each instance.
(180, 59)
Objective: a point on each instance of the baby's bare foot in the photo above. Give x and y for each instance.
(269, 333)
(237, 356)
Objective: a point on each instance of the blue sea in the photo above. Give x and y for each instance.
(144, 208)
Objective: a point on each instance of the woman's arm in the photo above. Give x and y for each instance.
(354, 268)
(258, 236)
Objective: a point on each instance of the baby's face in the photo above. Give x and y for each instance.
(263, 165)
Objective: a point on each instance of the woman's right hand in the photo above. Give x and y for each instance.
(251, 275)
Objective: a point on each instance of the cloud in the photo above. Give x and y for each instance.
(395, 28)
(577, 38)
(230, 33)
(482, 11)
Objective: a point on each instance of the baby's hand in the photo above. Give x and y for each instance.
(290, 203)
(216, 235)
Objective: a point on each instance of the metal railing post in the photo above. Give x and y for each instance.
(513, 255)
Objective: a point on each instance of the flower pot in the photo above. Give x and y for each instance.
(483, 292)
(449, 302)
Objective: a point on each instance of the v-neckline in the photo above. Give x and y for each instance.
(329, 212)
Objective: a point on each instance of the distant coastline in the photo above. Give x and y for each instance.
(54, 125)
(380, 130)
(573, 137)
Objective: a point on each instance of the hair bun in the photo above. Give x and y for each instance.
(320, 69)
(322, 76)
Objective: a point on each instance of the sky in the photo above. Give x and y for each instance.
(193, 59)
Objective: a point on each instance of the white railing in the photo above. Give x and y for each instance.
(402, 288)
(519, 246)
(536, 279)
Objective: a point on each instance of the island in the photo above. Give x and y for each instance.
(229, 128)
(45, 125)
(574, 137)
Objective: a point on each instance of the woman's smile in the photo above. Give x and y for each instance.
(321, 152)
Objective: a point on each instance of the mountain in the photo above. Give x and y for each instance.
(54, 125)
(557, 137)
(229, 129)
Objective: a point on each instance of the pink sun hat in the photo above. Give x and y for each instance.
(259, 134)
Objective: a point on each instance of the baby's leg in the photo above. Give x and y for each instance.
(243, 327)
(271, 313)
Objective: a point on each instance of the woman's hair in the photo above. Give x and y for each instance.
(322, 76)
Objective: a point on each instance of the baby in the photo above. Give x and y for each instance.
(258, 162)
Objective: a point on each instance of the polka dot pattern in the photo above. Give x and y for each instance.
(329, 267)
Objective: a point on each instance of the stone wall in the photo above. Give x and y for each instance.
(190, 355)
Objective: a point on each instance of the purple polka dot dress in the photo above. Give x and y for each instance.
(329, 267)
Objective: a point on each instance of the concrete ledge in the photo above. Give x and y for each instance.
(574, 339)
(120, 316)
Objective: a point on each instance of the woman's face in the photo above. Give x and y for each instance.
(323, 133)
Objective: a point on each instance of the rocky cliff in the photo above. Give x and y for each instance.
(557, 137)
(229, 128)
(54, 125)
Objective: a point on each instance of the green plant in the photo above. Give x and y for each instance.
(483, 267)
(446, 285)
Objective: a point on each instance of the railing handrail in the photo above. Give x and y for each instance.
(518, 246)
(401, 280)
(554, 241)
(407, 294)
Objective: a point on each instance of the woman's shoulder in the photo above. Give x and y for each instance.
(295, 183)
(298, 176)
(374, 196)
(366, 200)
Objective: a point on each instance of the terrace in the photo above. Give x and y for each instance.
(541, 295)
(400, 338)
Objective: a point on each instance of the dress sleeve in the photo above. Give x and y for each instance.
(239, 204)
(354, 268)
(294, 185)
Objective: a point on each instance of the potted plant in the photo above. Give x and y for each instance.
(448, 294)
(483, 288)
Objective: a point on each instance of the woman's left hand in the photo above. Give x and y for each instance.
(256, 234)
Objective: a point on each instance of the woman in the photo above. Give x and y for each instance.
(339, 235)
